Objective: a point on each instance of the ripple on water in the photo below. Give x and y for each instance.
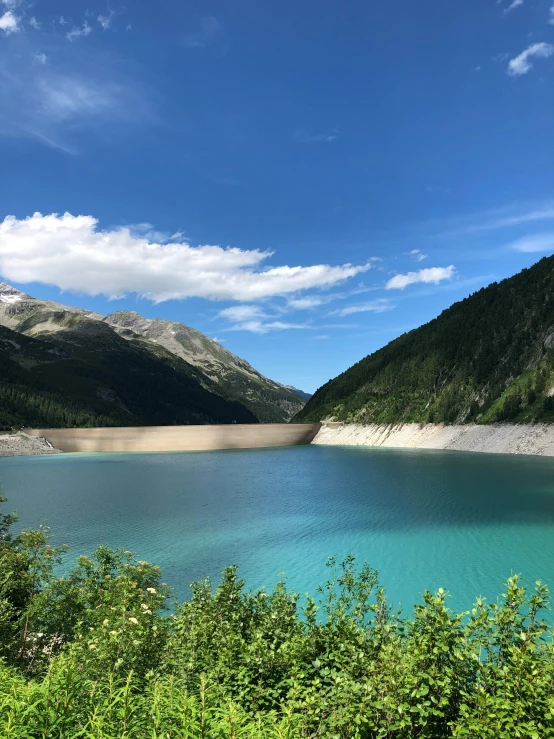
(424, 519)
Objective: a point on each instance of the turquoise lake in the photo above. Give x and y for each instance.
(424, 519)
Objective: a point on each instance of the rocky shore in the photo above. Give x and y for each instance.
(15, 445)
(494, 439)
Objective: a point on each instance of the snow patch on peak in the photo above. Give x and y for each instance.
(9, 294)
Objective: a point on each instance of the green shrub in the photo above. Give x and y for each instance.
(99, 654)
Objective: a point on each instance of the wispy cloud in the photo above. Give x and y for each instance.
(72, 253)
(325, 137)
(496, 220)
(106, 20)
(306, 303)
(34, 23)
(78, 31)
(254, 319)
(515, 4)
(523, 63)
(432, 275)
(551, 15)
(381, 305)
(62, 92)
(210, 32)
(9, 23)
(418, 255)
(534, 243)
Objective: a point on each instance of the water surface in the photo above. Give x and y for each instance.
(424, 519)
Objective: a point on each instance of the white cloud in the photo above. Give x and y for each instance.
(252, 318)
(73, 254)
(432, 275)
(106, 20)
(515, 4)
(9, 23)
(537, 242)
(551, 18)
(374, 306)
(325, 137)
(306, 303)
(242, 312)
(34, 23)
(78, 31)
(418, 255)
(261, 327)
(522, 63)
(41, 58)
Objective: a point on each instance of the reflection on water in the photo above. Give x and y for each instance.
(424, 519)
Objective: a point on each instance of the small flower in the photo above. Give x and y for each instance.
(150, 590)
(133, 620)
(113, 633)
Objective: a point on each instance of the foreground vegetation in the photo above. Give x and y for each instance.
(98, 654)
(487, 359)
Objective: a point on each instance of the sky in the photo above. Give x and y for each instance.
(302, 181)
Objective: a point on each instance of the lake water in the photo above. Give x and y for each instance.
(424, 519)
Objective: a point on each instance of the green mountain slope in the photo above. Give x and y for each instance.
(488, 358)
(86, 375)
(181, 348)
(235, 378)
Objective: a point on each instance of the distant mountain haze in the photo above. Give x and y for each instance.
(65, 366)
(486, 359)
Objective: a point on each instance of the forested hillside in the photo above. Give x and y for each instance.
(86, 375)
(487, 358)
(184, 349)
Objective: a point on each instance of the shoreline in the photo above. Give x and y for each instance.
(23, 445)
(532, 439)
(527, 439)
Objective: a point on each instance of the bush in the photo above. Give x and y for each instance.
(98, 654)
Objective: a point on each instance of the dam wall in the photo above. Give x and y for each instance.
(178, 438)
(537, 438)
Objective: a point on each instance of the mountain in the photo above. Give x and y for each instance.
(86, 375)
(236, 379)
(124, 370)
(297, 392)
(487, 358)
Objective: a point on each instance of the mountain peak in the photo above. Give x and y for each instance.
(9, 294)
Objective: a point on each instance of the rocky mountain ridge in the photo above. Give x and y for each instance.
(214, 367)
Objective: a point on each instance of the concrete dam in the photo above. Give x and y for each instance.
(179, 438)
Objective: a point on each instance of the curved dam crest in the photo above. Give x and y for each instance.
(179, 438)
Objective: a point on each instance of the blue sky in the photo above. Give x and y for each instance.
(303, 181)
